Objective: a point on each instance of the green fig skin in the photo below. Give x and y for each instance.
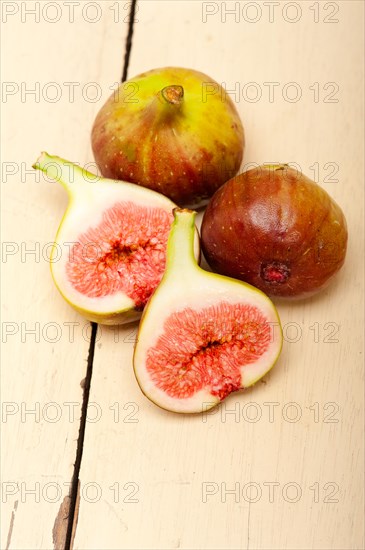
(172, 130)
(277, 230)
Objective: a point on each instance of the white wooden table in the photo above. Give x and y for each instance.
(276, 467)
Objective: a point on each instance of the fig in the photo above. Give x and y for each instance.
(172, 130)
(202, 335)
(276, 229)
(110, 250)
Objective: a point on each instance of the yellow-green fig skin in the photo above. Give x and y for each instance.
(112, 318)
(173, 130)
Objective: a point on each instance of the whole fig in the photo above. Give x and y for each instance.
(172, 130)
(276, 229)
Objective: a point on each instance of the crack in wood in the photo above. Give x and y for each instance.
(76, 516)
(74, 491)
(59, 530)
(73, 500)
(60, 527)
(128, 44)
(8, 540)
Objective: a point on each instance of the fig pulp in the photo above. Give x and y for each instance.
(110, 249)
(202, 336)
(172, 130)
(275, 229)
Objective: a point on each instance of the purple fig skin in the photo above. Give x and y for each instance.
(164, 131)
(276, 229)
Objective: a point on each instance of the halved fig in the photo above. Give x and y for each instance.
(110, 249)
(202, 335)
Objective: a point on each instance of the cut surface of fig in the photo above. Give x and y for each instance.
(202, 336)
(110, 250)
(172, 129)
(125, 253)
(276, 229)
(193, 353)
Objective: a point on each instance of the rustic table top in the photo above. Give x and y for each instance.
(88, 462)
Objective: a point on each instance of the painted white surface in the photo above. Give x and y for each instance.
(150, 479)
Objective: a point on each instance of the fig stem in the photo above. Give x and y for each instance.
(276, 166)
(173, 95)
(71, 176)
(180, 245)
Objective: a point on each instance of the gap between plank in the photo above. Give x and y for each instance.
(80, 440)
(72, 517)
(128, 44)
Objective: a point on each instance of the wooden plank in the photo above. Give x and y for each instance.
(150, 479)
(45, 343)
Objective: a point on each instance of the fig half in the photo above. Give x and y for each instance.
(202, 336)
(276, 229)
(173, 130)
(110, 249)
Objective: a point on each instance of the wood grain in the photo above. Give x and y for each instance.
(42, 371)
(277, 467)
(176, 463)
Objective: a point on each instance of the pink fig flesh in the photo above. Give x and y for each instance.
(195, 352)
(124, 253)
